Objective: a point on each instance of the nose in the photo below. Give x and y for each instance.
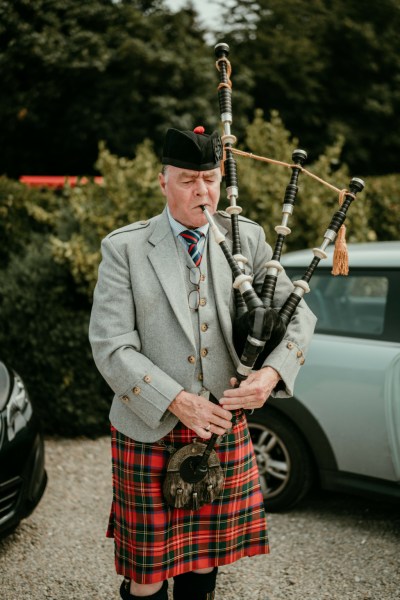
(201, 188)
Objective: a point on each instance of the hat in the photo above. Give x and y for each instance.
(194, 150)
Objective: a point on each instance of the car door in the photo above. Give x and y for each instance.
(351, 380)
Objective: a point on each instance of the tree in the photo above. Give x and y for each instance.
(330, 67)
(76, 73)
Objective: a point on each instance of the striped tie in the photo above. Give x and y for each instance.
(192, 237)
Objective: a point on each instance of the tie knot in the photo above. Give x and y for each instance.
(192, 237)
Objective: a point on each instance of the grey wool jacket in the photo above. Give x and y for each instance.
(141, 330)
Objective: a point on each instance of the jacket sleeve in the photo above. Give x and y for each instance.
(290, 354)
(116, 345)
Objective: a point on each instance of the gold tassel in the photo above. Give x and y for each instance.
(341, 256)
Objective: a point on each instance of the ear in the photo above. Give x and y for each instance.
(163, 183)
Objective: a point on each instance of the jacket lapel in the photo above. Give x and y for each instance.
(165, 260)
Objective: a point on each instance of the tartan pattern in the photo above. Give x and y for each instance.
(154, 541)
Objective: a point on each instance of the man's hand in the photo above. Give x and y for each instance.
(252, 392)
(201, 415)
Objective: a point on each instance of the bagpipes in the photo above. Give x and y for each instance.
(194, 474)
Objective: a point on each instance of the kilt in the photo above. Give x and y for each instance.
(154, 541)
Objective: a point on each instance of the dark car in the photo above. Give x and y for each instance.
(342, 428)
(22, 473)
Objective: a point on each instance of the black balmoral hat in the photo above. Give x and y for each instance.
(194, 150)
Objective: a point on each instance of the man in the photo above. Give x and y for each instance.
(161, 333)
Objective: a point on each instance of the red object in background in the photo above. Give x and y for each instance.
(199, 129)
(56, 181)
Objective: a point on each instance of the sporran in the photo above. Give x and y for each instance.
(185, 486)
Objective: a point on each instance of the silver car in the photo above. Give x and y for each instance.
(342, 428)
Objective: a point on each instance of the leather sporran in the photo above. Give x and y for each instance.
(184, 485)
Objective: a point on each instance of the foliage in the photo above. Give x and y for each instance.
(22, 212)
(130, 193)
(262, 187)
(382, 195)
(330, 67)
(48, 280)
(79, 72)
(123, 71)
(43, 336)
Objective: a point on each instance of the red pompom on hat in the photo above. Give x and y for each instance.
(199, 129)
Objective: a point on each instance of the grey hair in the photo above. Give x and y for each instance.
(164, 171)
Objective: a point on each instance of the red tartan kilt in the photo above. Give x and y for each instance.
(153, 541)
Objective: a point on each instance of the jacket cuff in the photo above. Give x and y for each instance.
(150, 395)
(287, 360)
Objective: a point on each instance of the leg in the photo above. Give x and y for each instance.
(130, 590)
(204, 571)
(196, 585)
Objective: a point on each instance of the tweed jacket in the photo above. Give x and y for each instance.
(140, 326)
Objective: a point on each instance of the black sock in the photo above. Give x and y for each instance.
(162, 594)
(196, 586)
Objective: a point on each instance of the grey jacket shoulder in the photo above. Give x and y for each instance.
(128, 230)
(226, 219)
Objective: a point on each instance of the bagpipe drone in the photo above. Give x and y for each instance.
(194, 475)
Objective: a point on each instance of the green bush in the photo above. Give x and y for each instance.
(44, 325)
(130, 193)
(48, 271)
(382, 194)
(262, 187)
(23, 212)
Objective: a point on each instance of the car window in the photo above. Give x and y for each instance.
(355, 305)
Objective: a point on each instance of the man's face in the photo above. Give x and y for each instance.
(186, 191)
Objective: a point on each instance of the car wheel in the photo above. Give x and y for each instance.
(283, 459)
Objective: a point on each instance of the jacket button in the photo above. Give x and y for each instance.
(191, 359)
(202, 277)
(125, 398)
(299, 354)
(204, 351)
(200, 376)
(147, 378)
(302, 361)
(289, 345)
(203, 302)
(136, 390)
(204, 327)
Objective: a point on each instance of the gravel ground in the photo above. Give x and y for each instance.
(331, 547)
